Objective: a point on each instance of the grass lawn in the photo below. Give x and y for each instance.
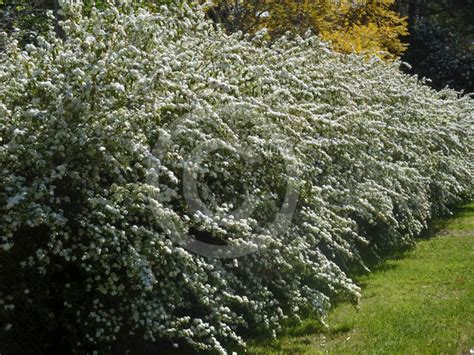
(421, 302)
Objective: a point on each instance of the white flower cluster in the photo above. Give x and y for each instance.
(87, 211)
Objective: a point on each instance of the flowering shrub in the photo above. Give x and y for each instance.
(145, 140)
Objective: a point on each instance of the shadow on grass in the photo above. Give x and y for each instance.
(339, 330)
(435, 227)
(440, 223)
(382, 263)
(306, 328)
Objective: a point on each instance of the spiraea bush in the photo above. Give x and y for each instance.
(141, 130)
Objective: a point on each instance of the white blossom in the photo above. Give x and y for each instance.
(95, 144)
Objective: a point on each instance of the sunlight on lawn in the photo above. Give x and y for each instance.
(421, 303)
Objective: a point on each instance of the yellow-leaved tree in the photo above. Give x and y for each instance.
(370, 26)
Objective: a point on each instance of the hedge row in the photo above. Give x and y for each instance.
(164, 184)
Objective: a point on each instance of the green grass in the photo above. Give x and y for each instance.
(421, 302)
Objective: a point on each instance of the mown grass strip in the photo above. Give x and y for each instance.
(421, 302)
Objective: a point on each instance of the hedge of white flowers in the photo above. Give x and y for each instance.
(141, 131)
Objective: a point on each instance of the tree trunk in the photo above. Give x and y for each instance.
(413, 12)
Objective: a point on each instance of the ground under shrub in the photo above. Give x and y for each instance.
(167, 186)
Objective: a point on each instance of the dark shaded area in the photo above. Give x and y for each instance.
(441, 41)
(41, 321)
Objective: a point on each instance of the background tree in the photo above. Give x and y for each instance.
(441, 41)
(371, 26)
